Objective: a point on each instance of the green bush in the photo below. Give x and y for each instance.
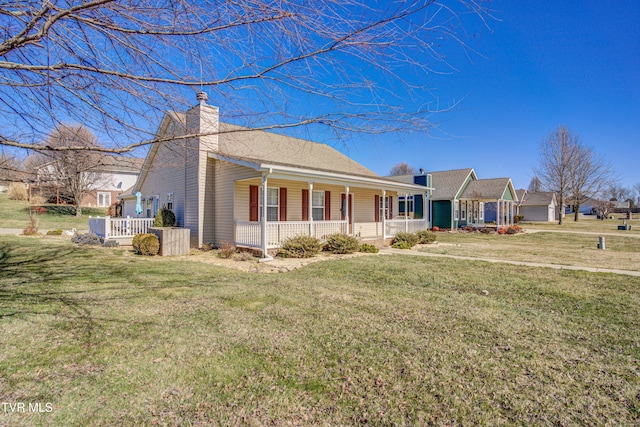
(164, 218)
(300, 247)
(410, 238)
(426, 236)
(368, 248)
(54, 232)
(149, 245)
(517, 218)
(135, 242)
(340, 243)
(402, 244)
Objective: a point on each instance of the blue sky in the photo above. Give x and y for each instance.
(540, 65)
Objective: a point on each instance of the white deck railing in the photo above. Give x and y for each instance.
(112, 228)
(248, 233)
(394, 226)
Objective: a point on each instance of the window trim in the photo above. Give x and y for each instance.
(169, 201)
(276, 206)
(103, 193)
(456, 210)
(322, 206)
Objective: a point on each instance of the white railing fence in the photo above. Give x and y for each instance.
(112, 228)
(249, 233)
(393, 226)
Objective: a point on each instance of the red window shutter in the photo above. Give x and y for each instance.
(305, 205)
(343, 206)
(390, 207)
(283, 204)
(327, 205)
(253, 203)
(377, 211)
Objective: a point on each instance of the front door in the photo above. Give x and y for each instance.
(343, 207)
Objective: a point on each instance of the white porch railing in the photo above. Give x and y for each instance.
(248, 233)
(394, 226)
(112, 228)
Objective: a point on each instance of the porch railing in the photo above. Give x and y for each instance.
(112, 228)
(249, 234)
(394, 226)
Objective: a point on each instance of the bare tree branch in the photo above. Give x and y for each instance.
(115, 67)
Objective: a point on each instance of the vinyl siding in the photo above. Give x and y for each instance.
(227, 204)
(166, 175)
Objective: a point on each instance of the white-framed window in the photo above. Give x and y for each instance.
(317, 205)
(406, 207)
(481, 211)
(149, 207)
(385, 211)
(169, 204)
(456, 210)
(463, 211)
(104, 199)
(273, 203)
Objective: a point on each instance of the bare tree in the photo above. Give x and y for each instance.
(603, 208)
(589, 175)
(534, 185)
(116, 66)
(75, 172)
(618, 192)
(557, 154)
(402, 168)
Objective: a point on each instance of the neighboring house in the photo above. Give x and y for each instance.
(215, 186)
(459, 198)
(537, 206)
(109, 178)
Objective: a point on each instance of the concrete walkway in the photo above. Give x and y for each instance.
(502, 261)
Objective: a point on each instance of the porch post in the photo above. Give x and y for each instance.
(107, 226)
(406, 212)
(310, 207)
(498, 214)
(426, 214)
(346, 207)
(511, 212)
(263, 219)
(383, 203)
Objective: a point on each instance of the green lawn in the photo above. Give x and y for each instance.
(15, 214)
(113, 339)
(622, 252)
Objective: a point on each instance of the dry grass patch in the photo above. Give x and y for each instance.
(386, 340)
(553, 248)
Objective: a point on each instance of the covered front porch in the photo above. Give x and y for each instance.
(372, 209)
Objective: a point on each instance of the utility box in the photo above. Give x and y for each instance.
(174, 241)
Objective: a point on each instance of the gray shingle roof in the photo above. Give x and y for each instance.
(536, 199)
(492, 188)
(446, 184)
(267, 147)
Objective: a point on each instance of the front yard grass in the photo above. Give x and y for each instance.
(588, 224)
(621, 253)
(381, 340)
(15, 214)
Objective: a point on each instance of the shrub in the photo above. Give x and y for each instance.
(402, 244)
(86, 239)
(426, 236)
(486, 230)
(435, 228)
(135, 242)
(410, 238)
(340, 243)
(502, 230)
(164, 218)
(226, 250)
(32, 227)
(17, 191)
(57, 232)
(149, 245)
(300, 247)
(518, 218)
(368, 248)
